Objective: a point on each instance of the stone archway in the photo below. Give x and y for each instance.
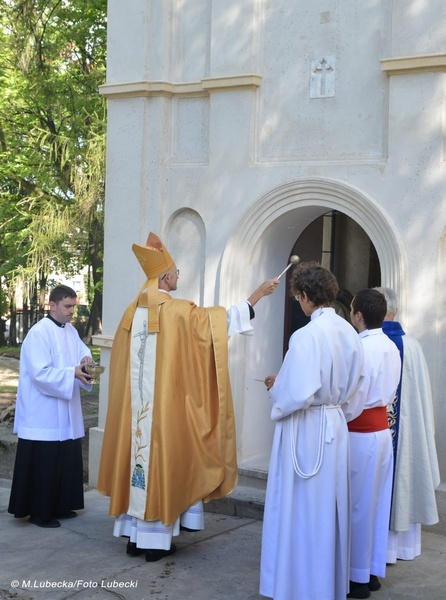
(258, 250)
(313, 197)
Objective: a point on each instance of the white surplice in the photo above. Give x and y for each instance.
(416, 472)
(305, 542)
(48, 397)
(372, 462)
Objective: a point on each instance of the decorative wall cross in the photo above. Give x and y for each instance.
(322, 77)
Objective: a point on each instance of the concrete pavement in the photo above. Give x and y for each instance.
(82, 560)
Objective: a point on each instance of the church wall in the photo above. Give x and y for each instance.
(417, 28)
(233, 124)
(438, 309)
(322, 64)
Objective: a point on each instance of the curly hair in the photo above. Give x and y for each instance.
(319, 284)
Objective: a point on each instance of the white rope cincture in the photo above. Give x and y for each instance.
(322, 439)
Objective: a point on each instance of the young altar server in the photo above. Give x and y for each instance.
(305, 543)
(371, 447)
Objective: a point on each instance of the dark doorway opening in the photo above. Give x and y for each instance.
(341, 245)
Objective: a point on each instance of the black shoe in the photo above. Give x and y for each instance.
(133, 550)
(48, 523)
(154, 555)
(374, 583)
(182, 528)
(68, 515)
(358, 590)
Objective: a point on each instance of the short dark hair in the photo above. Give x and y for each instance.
(60, 292)
(319, 284)
(373, 306)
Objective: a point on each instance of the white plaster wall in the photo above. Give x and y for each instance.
(437, 310)
(294, 126)
(190, 40)
(417, 27)
(128, 25)
(230, 176)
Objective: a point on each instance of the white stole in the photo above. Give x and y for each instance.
(142, 383)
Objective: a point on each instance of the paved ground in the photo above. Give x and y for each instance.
(82, 559)
(9, 370)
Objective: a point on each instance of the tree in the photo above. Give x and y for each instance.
(52, 143)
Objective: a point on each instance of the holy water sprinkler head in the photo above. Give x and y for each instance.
(294, 260)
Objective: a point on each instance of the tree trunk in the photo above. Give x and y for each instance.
(12, 323)
(94, 324)
(95, 246)
(42, 293)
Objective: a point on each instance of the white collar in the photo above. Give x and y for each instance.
(368, 332)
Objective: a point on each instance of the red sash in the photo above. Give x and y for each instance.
(371, 419)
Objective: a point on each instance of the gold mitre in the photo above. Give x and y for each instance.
(153, 257)
(155, 260)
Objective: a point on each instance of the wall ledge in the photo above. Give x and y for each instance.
(423, 63)
(102, 341)
(167, 89)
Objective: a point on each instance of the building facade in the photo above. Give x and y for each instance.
(237, 130)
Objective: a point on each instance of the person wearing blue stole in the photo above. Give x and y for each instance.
(411, 420)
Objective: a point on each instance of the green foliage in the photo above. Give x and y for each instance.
(52, 138)
(10, 352)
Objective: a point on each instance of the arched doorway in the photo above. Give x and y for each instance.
(258, 249)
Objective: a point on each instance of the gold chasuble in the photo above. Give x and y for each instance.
(171, 442)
